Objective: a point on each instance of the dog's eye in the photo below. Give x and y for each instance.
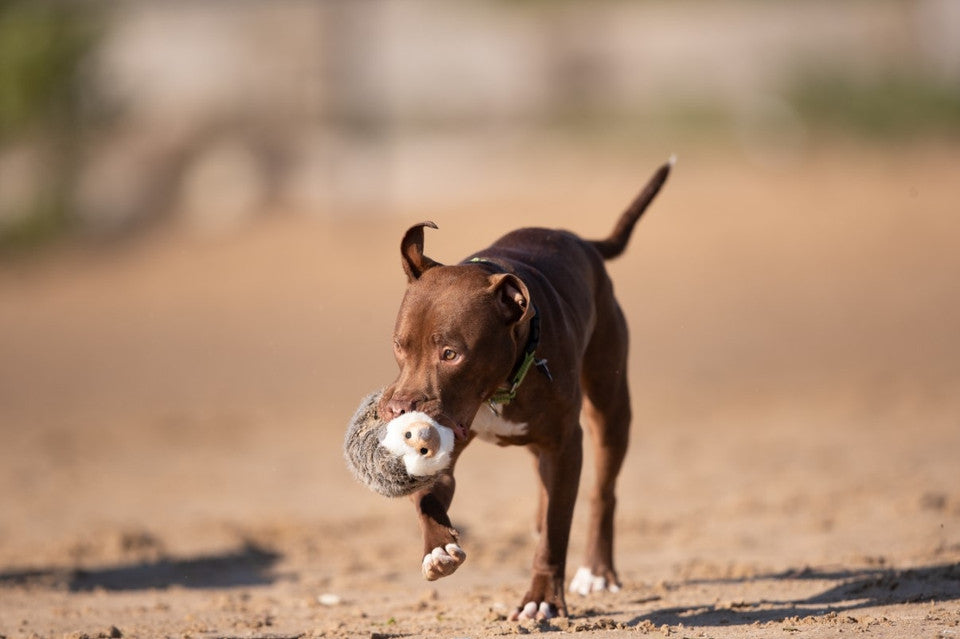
(448, 355)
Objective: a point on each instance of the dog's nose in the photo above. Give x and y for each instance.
(423, 438)
(397, 406)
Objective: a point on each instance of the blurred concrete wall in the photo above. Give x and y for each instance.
(416, 60)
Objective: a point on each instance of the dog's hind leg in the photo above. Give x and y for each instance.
(607, 414)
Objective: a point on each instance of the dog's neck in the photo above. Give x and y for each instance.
(528, 334)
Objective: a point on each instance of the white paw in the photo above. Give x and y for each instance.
(442, 562)
(532, 610)
(585, 582)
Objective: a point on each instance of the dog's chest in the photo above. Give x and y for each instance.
(491, 427)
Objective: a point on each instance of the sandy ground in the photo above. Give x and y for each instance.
(172, 408)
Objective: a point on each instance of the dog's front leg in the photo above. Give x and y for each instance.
(442, 552)
(559, 471)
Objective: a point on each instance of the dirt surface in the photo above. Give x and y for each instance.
(172, 408)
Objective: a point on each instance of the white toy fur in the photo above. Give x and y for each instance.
(415, 463)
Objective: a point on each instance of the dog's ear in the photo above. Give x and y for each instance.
(411, 249)
(513, 297)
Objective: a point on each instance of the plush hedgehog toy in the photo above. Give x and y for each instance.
(398, 457)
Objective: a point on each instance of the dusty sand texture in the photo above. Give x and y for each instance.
(171, 412)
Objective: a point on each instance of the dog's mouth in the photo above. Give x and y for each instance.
(457, 421)
(460, 430)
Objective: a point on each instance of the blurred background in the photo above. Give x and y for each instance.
(201, 206)
(116, 119)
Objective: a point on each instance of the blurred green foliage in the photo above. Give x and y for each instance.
(892, 108)
(42, 49)
(42, 46)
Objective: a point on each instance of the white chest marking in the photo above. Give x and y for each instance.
(490, 427)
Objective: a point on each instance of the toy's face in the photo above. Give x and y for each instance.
(424, 445)
(453, 343)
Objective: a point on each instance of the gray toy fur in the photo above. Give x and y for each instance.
(372, 464)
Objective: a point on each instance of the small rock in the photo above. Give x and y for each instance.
(646, 626)
(330, 599)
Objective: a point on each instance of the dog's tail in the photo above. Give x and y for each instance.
(617, 242)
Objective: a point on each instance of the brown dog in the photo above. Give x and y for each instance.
(512, 345)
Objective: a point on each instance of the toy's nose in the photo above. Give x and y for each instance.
(423, 438)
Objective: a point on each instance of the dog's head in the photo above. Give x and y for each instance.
(456, 338)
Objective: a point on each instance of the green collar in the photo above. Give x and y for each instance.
(503, 396)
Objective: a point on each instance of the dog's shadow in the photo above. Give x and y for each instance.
(856, 589)
(249, 566)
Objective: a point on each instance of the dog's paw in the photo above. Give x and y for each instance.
(585, 582)
(544, 600)
(442, 562)
(534, 610)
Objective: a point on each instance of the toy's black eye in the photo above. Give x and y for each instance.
(408, 434)
(448, 355)
(424, 451)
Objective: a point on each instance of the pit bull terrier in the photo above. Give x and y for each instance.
(513, 345)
